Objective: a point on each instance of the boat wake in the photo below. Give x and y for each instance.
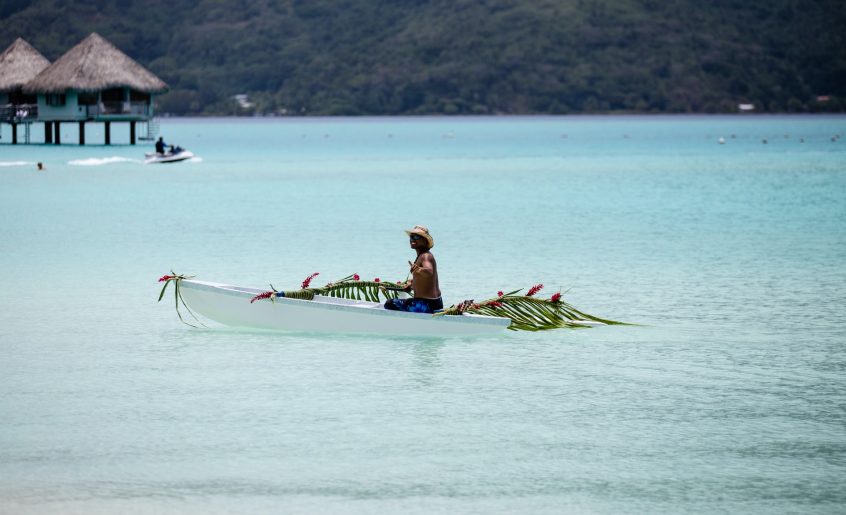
(16, 163)
(99, 161)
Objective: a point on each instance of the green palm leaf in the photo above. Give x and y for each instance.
(531, 313)
(348, 288)
(177, 296)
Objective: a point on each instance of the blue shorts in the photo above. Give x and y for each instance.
(415, 305)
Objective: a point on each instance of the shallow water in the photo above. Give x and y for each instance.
(729, 396)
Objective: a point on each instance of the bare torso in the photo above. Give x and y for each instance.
(424, 279)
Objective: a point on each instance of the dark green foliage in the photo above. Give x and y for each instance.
(350, 57)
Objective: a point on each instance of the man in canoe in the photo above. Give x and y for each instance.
(424, 276)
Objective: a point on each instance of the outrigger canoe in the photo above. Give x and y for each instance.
(230, 305)
(351, 305)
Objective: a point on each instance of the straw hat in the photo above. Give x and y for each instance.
(422, 231)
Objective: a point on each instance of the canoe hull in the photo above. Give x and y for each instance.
(230, 305)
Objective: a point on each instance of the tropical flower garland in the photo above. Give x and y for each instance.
(526, 312)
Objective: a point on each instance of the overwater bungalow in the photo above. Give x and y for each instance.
(94, 82)
(19, 64)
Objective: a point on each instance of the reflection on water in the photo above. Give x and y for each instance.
(426, 359)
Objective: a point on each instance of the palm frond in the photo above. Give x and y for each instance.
(348, 288)
(530, 313)
(177, 295)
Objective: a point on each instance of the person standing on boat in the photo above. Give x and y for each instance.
(424, 276)
(160, 146)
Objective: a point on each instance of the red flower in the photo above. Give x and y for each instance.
(260, 296)
(377, 280)
(166, 278)
(556, 297)
(309, 278)
(534, 289)
(356, 277)
(494, 304)
(499, 294)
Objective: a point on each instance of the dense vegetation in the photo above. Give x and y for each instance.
(463, 56)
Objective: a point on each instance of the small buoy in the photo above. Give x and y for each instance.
(722, 140)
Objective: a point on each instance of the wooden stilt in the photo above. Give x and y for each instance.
(48, 132)
(14, 133)
(82, 133)
(58, 138)
(108, 127)
(131, 133)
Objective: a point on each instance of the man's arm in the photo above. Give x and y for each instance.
(424, 267)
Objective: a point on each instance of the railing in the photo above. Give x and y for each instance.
(17, 113)
(20, 113)
(141, 109)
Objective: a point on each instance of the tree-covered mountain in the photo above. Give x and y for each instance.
(463, 56)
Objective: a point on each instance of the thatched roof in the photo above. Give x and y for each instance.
(94, 65)
(19, 64)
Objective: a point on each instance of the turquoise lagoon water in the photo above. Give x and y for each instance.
(729, 397)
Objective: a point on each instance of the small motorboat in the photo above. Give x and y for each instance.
(231, 305)
(174, 155)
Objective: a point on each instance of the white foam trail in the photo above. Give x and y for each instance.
(196, 159)
(99, 161)
(16, 163)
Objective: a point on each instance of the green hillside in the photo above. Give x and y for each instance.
(351, 57)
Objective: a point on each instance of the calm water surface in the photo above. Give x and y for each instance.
(729, 397)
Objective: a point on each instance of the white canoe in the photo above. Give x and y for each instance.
(230, 305)
(153, 157)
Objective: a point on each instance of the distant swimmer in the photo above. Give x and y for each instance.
(40, 167)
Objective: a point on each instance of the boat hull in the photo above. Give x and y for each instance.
(153, 158)
(230, 305)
